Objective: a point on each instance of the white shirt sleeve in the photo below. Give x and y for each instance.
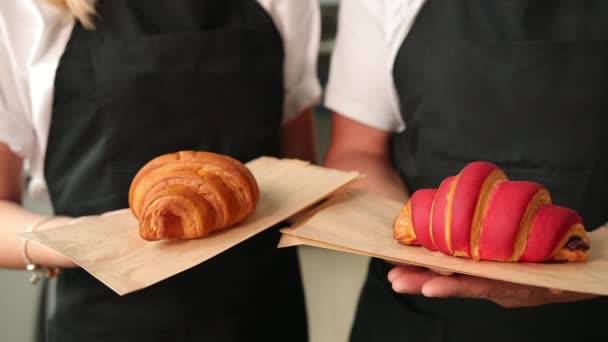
(299, 23)
(360, 83)
(16, 129)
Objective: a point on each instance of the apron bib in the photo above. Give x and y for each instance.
(153, 78)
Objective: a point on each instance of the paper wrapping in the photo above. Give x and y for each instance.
(361, 223)
(110, 248)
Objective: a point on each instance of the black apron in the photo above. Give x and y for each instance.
(522, 84)
(157, 77)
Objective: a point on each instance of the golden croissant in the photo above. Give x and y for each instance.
(480, 214)
(188, 195)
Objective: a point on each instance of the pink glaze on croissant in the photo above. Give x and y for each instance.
(480, 214)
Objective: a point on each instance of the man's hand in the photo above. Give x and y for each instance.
(417, 280)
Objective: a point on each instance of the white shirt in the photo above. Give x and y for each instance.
(33, 36)
(361, 85)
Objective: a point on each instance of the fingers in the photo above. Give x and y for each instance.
(442, 284)
(458, 286)
(396, 272)
(509, 295)
(506, 294)
(409, 279)
(436, 270)
(401, 270)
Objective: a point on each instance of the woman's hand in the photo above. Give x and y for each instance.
(39, 252)
(429, 283)
(14, 219)
(423, 281)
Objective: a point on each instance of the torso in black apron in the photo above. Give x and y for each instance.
(157, 77)
(519, 83)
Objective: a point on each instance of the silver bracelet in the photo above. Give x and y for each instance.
(37, 271)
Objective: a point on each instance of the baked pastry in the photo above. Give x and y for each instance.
(480, 214)
(188, 195)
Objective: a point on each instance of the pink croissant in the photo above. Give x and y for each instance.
(480, 214)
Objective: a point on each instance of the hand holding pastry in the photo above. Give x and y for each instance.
(422, 281)
(44, 255)
(39, 254)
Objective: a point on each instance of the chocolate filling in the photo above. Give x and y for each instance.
(576, 243)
